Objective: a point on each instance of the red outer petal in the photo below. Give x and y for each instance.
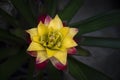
(77, 39)
(64, 23)
(42, 18)
(58, 65)
(32, 53)
(29, 41)
(47, 20)
(72, 51)
(28, 38)
(41, 65)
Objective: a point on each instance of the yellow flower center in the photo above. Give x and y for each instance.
(51, 40)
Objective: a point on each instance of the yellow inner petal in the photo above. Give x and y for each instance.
(42, 29)
(41, 56)
(68, 42)
(55, 23)
(72, 32)
(35, 47)
(32, 32)
(50, 52)
(64, 31)
(61, 56)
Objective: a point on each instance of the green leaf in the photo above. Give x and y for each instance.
(24, 9)
(81, 71)
(34, 7)
(82, 52)
(53, 73)
(40, 75)
(98, 22)
(7, 52)
(51, 6)
(70, 9)
(100, 42)
(7, 36)
(10, 19)
(31, 69)
(12, 64)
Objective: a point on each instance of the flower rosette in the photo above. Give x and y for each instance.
(50, 40)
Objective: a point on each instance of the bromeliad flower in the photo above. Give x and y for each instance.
(52, 41)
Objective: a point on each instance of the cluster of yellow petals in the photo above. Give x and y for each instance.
(52, 40)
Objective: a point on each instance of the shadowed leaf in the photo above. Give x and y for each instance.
(98, 22)
(10, 19)
(12, 64)
(70, 9)
(24, 9)
(82, 52)
(101, 42)
(81, 71)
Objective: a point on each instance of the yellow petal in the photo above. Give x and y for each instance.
(72, 32)
(41, 56)
(55, 23)
(50, 52)
(61, 56)
(68, 42)
(42, 29)
(35, 47)
(35, 39)
(32, 32)
(64, 31)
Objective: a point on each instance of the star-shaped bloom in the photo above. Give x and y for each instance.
(50, 40)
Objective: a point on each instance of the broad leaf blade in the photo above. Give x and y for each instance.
(40, 75)
(101, 42)
(51, 7)
(70, 9)
(7, 52)
(31, 68)
(10, 19)
(24, 9)
(98, 22)
(53, 73)
(12, 64)
(7, 36)
(82, 52)
(81, 71)
(34, 7)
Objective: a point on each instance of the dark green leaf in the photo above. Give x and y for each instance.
(34, 7)
(7, 36)
(82, 52)
(101, 42)
(70, 9)
(12, 64)
(31, 69)
(51, 6)
(7, 52)
(98, 22)
(24, 9)
(40, 75)
(53, 73)
(10, 19)
(81, 71)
